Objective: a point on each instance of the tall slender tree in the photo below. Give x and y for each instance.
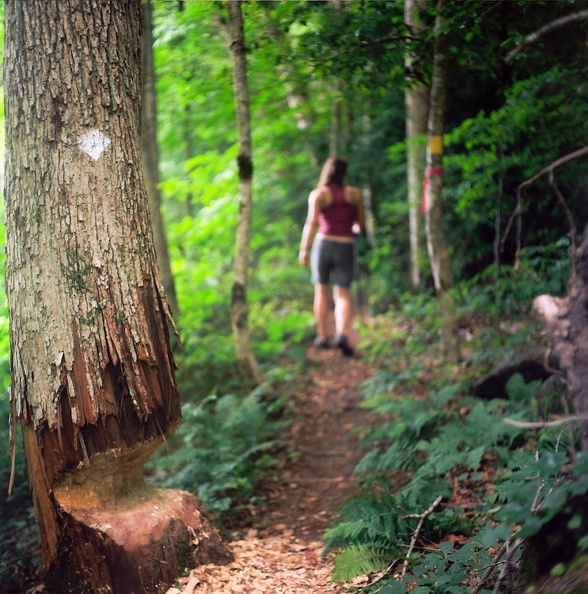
(436, 243)
(150, 153)
(336, 133)
(93, 381)
(246, 362)
(417, 112)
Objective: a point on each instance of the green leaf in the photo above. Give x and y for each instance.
(575, 522)
(446, 547)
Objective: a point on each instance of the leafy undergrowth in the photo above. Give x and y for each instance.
(454, 486)
(20, 551)
(222, 449)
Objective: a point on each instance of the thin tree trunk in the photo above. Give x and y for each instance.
(338, 140)
(150, 154)
(189, 153)
(335, 136)
(246, 361)
(187, 135)
(93, 374)
(436, 242)
(417, 110)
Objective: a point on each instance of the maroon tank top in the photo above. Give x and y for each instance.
(337, 218)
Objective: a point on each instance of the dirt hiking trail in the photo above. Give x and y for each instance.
(281, 554)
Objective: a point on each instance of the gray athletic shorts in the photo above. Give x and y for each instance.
(332, 262)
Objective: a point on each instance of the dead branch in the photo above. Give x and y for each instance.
(493, 564)
(518, 210)
(554, 165)
(542, 424)
(533, 37)
(510, 551)
(571, 223)
(517, 543)
(422, 517)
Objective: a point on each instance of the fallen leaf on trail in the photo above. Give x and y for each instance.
(191, 586)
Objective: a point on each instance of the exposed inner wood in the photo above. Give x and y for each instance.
(125, 533)
(111, 480)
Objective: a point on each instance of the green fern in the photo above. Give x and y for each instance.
(376, 521)
(224, 447)
(519, 390)
(357, 560)
(439, 438)
(399, 455)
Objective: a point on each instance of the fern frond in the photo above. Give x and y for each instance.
(521, 391)
(397, 456)
(355, 561)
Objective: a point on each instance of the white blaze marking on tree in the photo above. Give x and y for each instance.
(94, 143)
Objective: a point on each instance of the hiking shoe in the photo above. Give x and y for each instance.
(342, 343)
(322, 343)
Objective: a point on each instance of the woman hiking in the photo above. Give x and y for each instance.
(336, 210)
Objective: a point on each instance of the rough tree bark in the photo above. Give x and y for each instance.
(93, 380)
(566, 323)
(417, 111)
(150, 153)
(436, 242)
(246, 362)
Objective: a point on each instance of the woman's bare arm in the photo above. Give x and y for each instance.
(310, 226)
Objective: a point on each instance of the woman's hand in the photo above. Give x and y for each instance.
(303, 257)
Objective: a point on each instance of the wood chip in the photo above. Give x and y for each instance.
(191, 586)
(274, 565)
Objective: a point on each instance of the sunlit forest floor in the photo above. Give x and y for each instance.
(281, 552)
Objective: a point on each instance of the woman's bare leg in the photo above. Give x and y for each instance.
(321, 309)
(343, 310)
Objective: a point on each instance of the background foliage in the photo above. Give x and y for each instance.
(505, 122)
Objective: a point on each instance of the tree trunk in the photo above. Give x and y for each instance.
(336, 131)
(566, 322)
(246, 361)
(187, 135)
(150, 154)
(338, 137)
(436, 243)
(93, 374)
(189, 152)
(417, 110)
(341, 117)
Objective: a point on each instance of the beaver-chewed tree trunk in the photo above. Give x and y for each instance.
(566, 323)
(93, 375)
